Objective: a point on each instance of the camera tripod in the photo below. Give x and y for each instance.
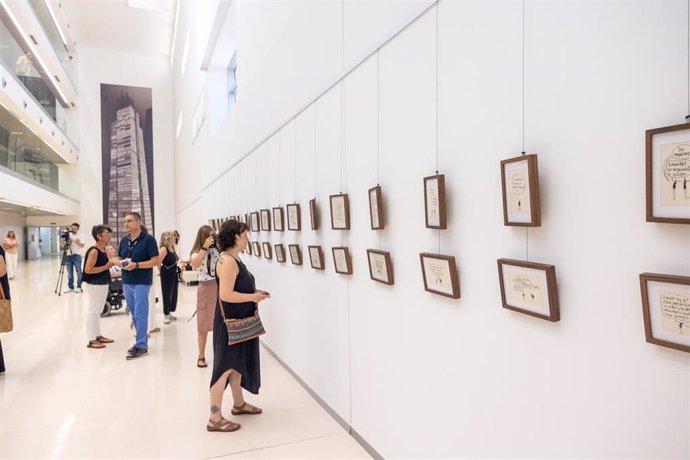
(66, 251)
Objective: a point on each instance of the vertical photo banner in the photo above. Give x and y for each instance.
(127, 151)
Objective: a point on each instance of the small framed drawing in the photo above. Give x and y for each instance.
(280, 252)
(380, 266)
(529, 288)
(257, 248)
(520, 179)
(265, 220)
(376, 208)
(246, 220)
(294, 217)
(279, 219)
(440, 275)
(295, 254)
(666, 310)
(267, 249)
(254, 222)
(316, 257)
(435, 201)
(342, 261)
(248, 248)
(668, 174)
(340, 212)
(212, 223)
(313, 214)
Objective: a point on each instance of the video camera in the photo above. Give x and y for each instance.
(65, 236)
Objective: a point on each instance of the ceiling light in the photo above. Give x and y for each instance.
(151, 5)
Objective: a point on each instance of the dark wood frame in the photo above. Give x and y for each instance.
(257, 248)
(454, 279)
(311, 260)
(255, 227)
(299, 217)
(248, 249)
(649, 135)
(212, 224)
(672, 279)
(267, 250)
(279, 250)
(267, 227)
(281, 219)
(533, 178)
(551, 286)
(348, 260)
(299, 254)
(313, 214)
(442, 218)
(389, 266)
(379, 200)
(347, 211)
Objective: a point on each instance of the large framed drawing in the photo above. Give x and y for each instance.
(267, 250)
(266, 220)
(376, 208)
(294, 217)
(520, 188)
(313, 214)
(529, 288)
(342, 261)
(668, 174)
(666, 310)
(316, 257)
(435, 201)
(295, 254)
(254, 222)
(279, 219)
(280, 252)
(440, 275)
(257, 248)
(340, 212)
(380, 266)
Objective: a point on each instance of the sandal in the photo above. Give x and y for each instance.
(239, 410)
(201, 362)
(102, 339)
(95, 344)
(222, 425)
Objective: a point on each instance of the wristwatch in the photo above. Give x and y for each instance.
(136, 265)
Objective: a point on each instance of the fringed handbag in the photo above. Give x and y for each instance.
(6, 324)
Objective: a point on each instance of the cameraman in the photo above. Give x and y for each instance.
(73, 245)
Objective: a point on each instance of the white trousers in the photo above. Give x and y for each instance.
(11, 264)
(97, 294)
(152, 306)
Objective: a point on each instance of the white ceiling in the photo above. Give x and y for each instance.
(112, 24)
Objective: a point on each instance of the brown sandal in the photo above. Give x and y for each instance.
(102, 339)
(201, 362)
(223, 426)
(239, 410)
(95, 344)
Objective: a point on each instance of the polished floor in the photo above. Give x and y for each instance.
(59, 399)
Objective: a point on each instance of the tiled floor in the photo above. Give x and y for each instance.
(59, 399)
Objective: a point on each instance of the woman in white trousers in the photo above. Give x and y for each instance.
(96, 280)
(11, 246)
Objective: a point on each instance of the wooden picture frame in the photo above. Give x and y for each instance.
(266, 220)
(212, 224)
(254, 222)
(248, 249)
(440, 274)
(435, 202)
(342, 262)
(295, 254)
(376, 208)
(279, 250)
(316, 257)
(380, 266)
(529, 288)
(340, 212)
(279, 219)
(257, 248)
(667, 171)
(666, 310)
(313, 214)
(520, 189)
(294, 217)
(267, 250)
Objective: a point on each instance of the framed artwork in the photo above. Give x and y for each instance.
(376, 208)
(529, 288)
(340, 212)
(295, 254)
(279, 219)
(268, 250)
(265, 220)
(316, 257)
(280, 252)
(254, 222)
(380, 266)
(440, 275)
(666, 310)
(313, 214)
(294, 217)
(257, 248)
(247, 221)
(212, 223)
(435, 201)
(668, 174)
(342, 261)
(520, 179)
(248, 248)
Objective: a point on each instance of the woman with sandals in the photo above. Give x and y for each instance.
(96, 280)
(237, 364)
(203, 259)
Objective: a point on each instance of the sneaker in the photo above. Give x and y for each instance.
(166, 319)
(78, 290)
(129, 352)
(172, 317)
(67, 291)
(137, 353)
(155, 329)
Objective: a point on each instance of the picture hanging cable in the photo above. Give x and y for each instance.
(523, 115)
(315, 149)
(378, 117)
(437, 106)
(687, 55)
(294, 162)
(280, 172)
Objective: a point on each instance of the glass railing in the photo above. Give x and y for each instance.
(30, 164)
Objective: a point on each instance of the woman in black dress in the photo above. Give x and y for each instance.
(237, 365)
(168, 260)
(6, 289)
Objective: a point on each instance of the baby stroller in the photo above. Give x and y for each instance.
(116, 297)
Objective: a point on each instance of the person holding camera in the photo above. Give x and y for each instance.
(96, 278)
(73, 244)
(203, 259)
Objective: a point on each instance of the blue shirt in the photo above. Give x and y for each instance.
(142, 249)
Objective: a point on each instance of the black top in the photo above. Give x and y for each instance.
(3, 279)
(169, 261)
(96, 278)
(142, 249)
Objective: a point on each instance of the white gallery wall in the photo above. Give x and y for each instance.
(418, 375)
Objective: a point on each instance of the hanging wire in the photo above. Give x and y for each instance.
(378, 130)
(523, 115)
(280, 175)
(687, 55)
(294, 162)
(315, 149)
(437, 105)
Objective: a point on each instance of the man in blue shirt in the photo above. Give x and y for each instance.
(137, 255)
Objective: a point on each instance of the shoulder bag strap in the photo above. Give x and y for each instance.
(2, 292)
(220, 301)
